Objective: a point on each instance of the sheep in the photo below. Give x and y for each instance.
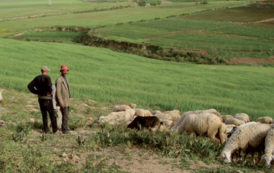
(247, 135)
(118, 117)
(120, 108)
(206, 122)
(269, 147)
(180, 121)
(230, 128)
(234, 121)
(169, 115)
(227, 117)
(266, 120)
(152, 123)
(142, 113)
(242, 116)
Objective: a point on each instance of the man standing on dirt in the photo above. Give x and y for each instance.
(63, 96)
(42, 86)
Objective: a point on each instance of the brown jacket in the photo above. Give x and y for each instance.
(62, 92)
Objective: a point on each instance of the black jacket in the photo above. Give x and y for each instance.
(41, 85)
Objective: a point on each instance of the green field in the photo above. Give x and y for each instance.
(91, 14)
(218, 37)
(108, 76)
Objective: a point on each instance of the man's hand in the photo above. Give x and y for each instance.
(62, 106)
(48, 94)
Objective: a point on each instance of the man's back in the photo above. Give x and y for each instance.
(41, 85)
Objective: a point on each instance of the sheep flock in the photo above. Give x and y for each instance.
(237, 133)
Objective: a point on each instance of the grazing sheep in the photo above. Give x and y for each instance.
(227, 117)
(118, 117)
(180, 121)
(157, 112)
(269, 147)
(242, 116)
(169, 115)
(265, 120)
(234, 121)
(230, 128)
(251, 134)
(120, 108)
(152, 123)
(142, 113)
(204, 123)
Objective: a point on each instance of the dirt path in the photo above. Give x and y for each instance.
(269, 21)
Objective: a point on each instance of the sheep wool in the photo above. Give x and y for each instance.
(174, 115)
(180, 121)
(269, 147)
(118, 117)
(242, 116)
(120, 108)
(266, 120)
(202, 123)
(227, 117)
(142, 113)
(247, 135)
(234, 121)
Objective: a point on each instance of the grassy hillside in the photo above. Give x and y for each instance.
(113, 77)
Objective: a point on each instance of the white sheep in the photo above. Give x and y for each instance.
(120, 108)
(118, 117)
(180, 121)
(226, 117)
(234, 121)
(266, 120)
(247, 135)
(174, 115)
(202, 123)
(242, 116)
(142, 113)
(269, 147)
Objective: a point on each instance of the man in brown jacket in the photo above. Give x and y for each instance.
(63, 96)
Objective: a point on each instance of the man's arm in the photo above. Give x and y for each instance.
(59, 93)
(31, 87)
(49, 86)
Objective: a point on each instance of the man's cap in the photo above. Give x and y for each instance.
(45, 68)
(64, 67)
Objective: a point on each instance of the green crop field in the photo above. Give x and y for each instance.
(220, 38)
(116, 67)
(104, 75)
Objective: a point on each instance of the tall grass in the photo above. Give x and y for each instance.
(108, 76)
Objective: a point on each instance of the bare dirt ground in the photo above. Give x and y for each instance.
(252, 61)
(268, 21)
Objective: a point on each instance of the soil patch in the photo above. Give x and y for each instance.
(252, 61)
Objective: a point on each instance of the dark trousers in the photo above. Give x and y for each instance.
(65, 114)
(46, 108)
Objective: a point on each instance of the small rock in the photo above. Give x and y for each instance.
(64, 155)
(133, 106)
(32, 120)
(75, 158)
(2, 122)
(89, 121)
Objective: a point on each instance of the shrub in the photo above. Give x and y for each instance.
(142, 3)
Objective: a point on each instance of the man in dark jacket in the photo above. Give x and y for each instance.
(41, 85)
